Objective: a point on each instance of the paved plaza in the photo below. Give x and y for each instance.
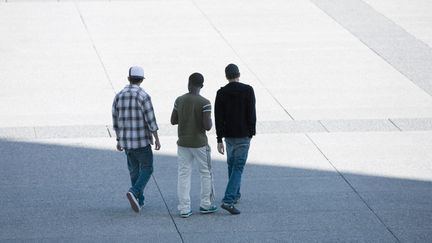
(343, 151)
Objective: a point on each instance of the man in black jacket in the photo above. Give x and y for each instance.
(235, 119)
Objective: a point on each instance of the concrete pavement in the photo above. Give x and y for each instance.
(344, 118)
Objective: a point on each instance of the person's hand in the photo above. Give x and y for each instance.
(157, 144)
(220, 148)
(119, 148)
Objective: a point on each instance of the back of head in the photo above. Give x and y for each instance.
(232, 72)
(136, 74)
(196, 80)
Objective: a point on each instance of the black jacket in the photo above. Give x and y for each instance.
(235, 114)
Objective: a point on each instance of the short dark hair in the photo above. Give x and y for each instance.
(232, 71)
(135, 80)
(196, 80)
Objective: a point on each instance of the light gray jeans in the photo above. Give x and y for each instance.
(186, 158)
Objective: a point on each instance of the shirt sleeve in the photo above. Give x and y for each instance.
(219, 117)
(252, 113)
(115, 114)
(175, 104)
(149, 116)
(207, 107)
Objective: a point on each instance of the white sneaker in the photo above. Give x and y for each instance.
(185, 214)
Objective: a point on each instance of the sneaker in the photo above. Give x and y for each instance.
(230, 208)
(185, 214)
(211, 209)
(133, 202)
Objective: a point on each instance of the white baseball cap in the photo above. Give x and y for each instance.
(136, 72)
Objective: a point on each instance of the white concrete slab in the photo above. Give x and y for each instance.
(358, 125)
(413, 124)
(49, 67)
(298, 152)
(71, 132)
(406, 53)
(17, 132)
(405, 155)
(276, 55)
(289, 127)
(413, 16)
(323, 73)
(168, 49)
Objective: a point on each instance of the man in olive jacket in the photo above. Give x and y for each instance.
(192, 114)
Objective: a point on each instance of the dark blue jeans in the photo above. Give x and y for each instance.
(140, 165)
(237, 151)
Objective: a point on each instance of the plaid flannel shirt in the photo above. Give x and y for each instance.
(133, 117)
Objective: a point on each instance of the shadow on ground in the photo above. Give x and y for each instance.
(65, 193)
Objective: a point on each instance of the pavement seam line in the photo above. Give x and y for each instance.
(352, 188)
(109, 133)
(240, 58)
(325, 128)
(169, 212)
(394, 124)
(35, 133)
(94, 46)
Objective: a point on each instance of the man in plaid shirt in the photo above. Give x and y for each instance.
(135, 125)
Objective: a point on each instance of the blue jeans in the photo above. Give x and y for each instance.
(237, 151)
(140, 165)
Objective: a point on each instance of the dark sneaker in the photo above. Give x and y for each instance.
(185, 214)
(133, 202)
(211, 209)
(230, 208)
